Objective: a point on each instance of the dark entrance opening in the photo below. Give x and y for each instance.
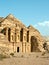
(34, 44)
(17, 49)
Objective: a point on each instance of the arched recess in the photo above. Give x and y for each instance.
(34, 44)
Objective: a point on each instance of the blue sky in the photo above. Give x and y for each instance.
(34, 12)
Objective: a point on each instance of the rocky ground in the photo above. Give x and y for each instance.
(27, 59)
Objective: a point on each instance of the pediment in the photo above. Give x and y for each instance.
(10, 20)
(15, 20)
(7, 23)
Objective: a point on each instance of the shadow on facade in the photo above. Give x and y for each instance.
(3, 31)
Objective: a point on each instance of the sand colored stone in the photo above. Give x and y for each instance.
(18, 37)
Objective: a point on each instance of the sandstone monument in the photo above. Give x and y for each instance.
(19, 38)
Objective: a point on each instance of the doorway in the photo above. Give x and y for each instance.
(18, 49)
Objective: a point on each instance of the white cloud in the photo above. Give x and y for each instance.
(45, 23)
(43, 27)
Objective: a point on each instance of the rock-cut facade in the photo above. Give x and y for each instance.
(19, 38)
